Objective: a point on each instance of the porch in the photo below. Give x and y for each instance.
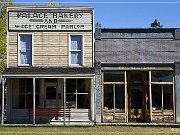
(44, 95)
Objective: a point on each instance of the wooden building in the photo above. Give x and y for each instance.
(50, 57)
(138, 73)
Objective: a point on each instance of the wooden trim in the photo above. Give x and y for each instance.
(2, 113)
(64, 101)
(162, 98)
(32, 49)
(114, 82)
(49, 76)
(114, 101)
(126, 97)
(150, 97)
(34, 101)
(93, 39)
(161, 82)
(102, 95)
(174, 100)
(69, 50)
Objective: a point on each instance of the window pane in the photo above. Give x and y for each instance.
(108, 97)
(76, 42)
(114, 77)
(81, 86)
(37, 85)
(70, 85)
(168, 97)
(76, 58)
(29, 85)
(21, 101)
(37, 100)
(29, 101)
(50, 92)
(22, 86)
(83, 101)
(162, 77)
(156, 97)
(120, 96)
(26, 49)
(71, 99)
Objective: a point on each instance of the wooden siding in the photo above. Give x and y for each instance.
(50, 48)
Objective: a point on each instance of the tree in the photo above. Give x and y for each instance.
(156, 24)
(3, 6)
(52, 3)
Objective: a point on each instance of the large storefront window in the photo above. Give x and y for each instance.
(114, 97)
(24, 95)
(162, 96)
(78, 93)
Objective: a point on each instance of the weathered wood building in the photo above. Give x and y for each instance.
(137, 75)
(59, 73)
(50, 57)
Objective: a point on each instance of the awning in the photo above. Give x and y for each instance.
(49, 72)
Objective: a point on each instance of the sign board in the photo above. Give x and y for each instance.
(47, 21)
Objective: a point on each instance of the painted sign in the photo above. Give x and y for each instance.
(38, 21)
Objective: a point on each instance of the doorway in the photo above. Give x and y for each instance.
(51, 95)
(137, 88)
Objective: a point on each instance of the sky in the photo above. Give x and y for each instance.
(126, 13)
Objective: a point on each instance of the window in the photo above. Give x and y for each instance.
(76, 50)
(77, 93)
(25, 49)
(113, 97)
(25, 94)
(162, 90)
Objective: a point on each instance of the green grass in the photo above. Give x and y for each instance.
(130, 130)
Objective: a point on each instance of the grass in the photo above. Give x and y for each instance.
(128, 130)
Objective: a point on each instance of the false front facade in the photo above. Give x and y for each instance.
(50, 73)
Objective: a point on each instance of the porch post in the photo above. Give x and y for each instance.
(150, 97)
(34, 101)
(2, 113)
(64, 101)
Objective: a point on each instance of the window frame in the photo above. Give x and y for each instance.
(32, 50)
(76, 93)
(82, 50)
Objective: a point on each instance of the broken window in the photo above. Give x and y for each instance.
(114, 96)
(162, 96)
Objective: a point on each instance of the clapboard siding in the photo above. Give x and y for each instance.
(50, 48)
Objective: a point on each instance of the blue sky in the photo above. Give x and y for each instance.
(127, 13)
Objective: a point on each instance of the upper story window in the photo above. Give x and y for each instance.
(25, 50)
(76, 50)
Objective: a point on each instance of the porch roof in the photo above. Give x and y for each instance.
(52, 72)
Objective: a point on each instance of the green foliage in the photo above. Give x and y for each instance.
(156, 24)
(52, 3)
(3, 5)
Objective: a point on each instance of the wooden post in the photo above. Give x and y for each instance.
(114, 97)
(162, 97)
(174, 108)
(150, 97)
(64, 101)
(102, 95)
(2, 113)
(126, 111)
(34, 101)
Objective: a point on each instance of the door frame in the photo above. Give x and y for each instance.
(51, 84)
